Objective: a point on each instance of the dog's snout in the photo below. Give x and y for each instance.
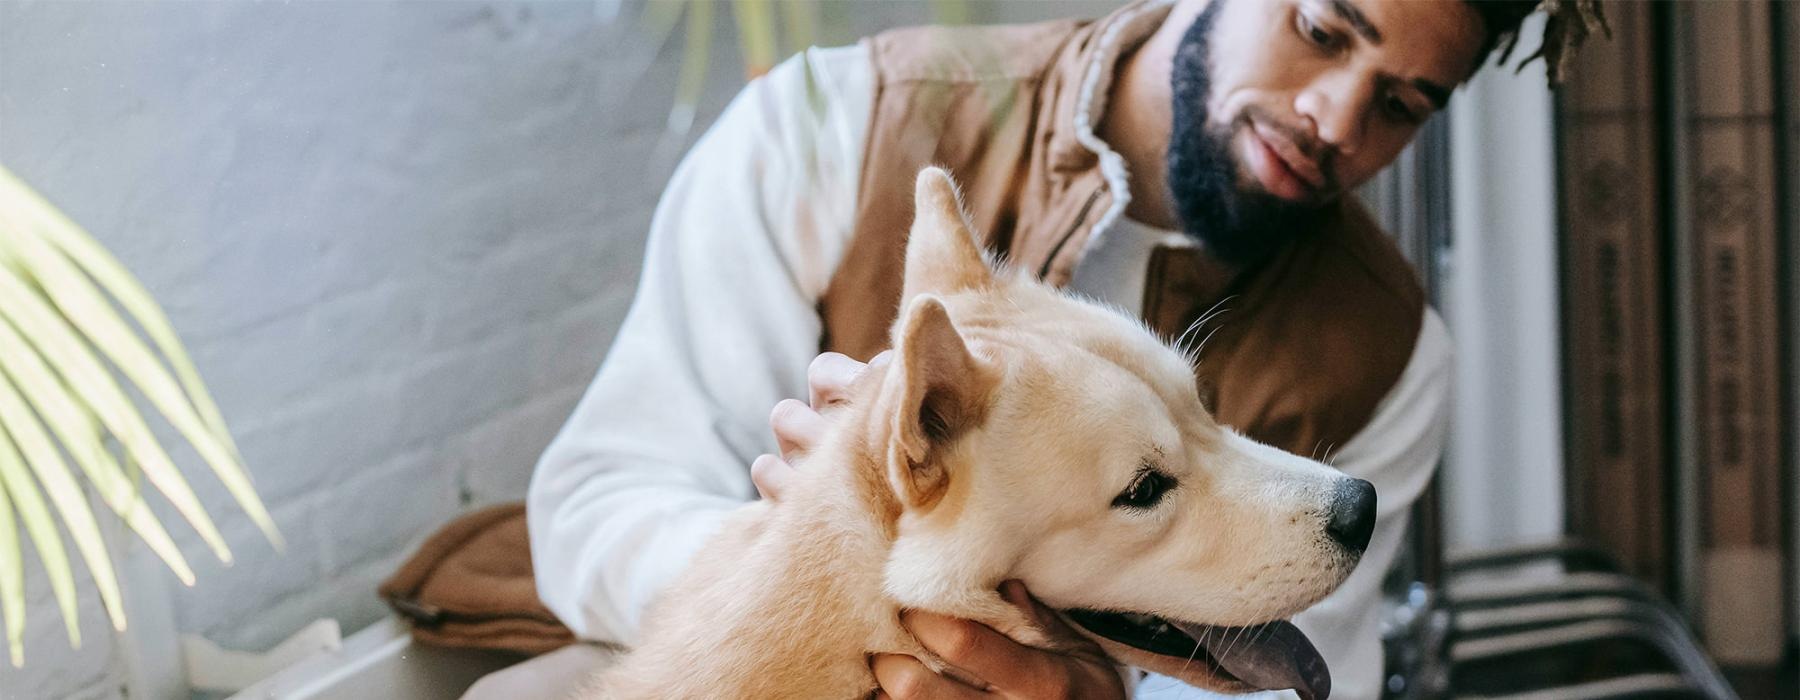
(1352, 514)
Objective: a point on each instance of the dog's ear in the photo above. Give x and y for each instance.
(942, 256)
(942, 393)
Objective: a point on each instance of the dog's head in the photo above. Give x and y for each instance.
(1042, 437)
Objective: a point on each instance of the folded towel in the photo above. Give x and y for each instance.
(470, 585)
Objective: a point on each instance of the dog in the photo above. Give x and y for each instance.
(1019, 433)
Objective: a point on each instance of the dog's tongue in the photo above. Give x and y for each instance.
(1272, 656)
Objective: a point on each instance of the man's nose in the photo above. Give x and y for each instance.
(1352, 514)
(1338, 107)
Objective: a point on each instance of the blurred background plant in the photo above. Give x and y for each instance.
(73, 321)
(766, 30)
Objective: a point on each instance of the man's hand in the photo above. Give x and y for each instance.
(799, 426)
(994, 665)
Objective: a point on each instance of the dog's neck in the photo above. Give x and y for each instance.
(804, 578)
(812, 563)
(844, 509)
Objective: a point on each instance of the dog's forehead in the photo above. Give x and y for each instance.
(1092, 349)
(1120, 339)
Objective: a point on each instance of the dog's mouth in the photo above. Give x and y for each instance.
(1270, 656)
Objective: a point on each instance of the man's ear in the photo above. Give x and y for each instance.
(943, 393)
(942, 256)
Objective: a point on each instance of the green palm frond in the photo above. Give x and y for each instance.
(800, 23)
(950, 11)
(756, 34)
(694, 57)
(12, 573)
(755, 22)
(62, 340)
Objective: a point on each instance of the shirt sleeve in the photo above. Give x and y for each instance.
(1398, 451)
(747, 234)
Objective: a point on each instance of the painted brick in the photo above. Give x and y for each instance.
(493, 461)
(389, 509)
(454, 390)
(300, 449)
(397, 238)
(52, 669)
(518, 287)
(109, 689)
(222, 597)
(572, 345)
(347, 596)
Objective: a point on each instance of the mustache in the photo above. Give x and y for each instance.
(1310, 146)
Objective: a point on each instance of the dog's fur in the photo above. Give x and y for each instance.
(993, 447)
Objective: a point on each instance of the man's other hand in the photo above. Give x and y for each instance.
(798, 427)
(991, 665)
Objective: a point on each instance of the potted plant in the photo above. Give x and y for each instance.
(73, 322)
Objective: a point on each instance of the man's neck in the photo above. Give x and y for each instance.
(1137, 121)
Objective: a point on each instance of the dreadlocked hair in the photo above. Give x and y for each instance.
(1570, 24)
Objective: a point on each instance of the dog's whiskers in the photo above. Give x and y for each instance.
(1193, 354)
(1198, 643)
(1198, 322)
(1239, 633)
(1180, 339)
(1229, 642)
(1203, 341)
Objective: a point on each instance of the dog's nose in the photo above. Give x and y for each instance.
(1352, 514)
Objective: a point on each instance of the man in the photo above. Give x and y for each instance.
(1175, 159)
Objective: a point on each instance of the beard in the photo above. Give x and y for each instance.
(1239, 224)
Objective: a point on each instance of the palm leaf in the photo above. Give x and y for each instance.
(60, 299)
(756, 34)
(58, 343)
(124, 288)
(82, 303)
(950, 11)
(755, 21)
(12, 578)
(42, 529)
(801, 21)
(81, 438)
(41, 454)
(692, 79)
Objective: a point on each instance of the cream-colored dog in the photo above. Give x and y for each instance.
(1019, 433)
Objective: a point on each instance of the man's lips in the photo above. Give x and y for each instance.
(1284, 171)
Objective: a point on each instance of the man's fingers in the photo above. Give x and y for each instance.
(830, 376)
(881, 359)
(1067, 639)
(989, 655)
(828, 379)
(902, 677)
(1014, 591)
(796, 426)
(771, 475)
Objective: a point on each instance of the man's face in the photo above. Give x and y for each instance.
(1282, 105)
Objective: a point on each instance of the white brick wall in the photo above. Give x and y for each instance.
(396, 236)
(53, 670)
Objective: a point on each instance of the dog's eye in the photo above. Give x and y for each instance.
(1145, 491)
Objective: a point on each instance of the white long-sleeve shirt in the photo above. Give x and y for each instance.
(748, 233)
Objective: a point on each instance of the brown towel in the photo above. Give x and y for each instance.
(470, 585)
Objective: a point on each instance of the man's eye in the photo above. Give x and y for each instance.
(1146, 490)
(1313, 32)
(1398, 109)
